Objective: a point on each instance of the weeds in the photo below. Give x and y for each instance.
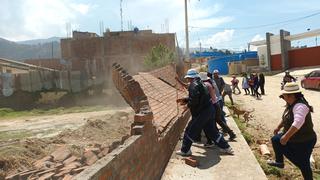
(6, 135)
(242, 126)
(10, 113)
(268, 170)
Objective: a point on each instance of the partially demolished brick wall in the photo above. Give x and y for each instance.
(157, 126)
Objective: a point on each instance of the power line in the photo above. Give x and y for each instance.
(263, 25)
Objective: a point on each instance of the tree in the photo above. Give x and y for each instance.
(159, 56)
(228, 52)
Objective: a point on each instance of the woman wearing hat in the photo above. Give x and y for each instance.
(298, 138)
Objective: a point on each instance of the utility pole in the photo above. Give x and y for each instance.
(121, 16)
(186, 29)
(52, 50)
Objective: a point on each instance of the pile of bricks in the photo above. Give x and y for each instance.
(62, 164)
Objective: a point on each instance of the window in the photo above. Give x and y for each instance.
(313, 74)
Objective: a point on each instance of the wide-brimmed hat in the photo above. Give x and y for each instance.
(203, 76)
(291, 88)
(192, 73)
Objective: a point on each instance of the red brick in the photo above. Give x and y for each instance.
(70, 160)
(58, 166)
(142, 118)
(61, 153)
(24, 175)
(41, 163)
(46, 171)
(90, 157)
(137, 130)
(67, 177)
(13, 177)
(78, 170)
(191, 162)
(46, 176)
(71, 166)
(104, 152)
(94, 150)
(62, 173)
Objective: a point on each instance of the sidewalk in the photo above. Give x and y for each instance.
(213, 165)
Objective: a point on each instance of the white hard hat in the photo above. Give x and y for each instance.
(192, 73)
(203, 76)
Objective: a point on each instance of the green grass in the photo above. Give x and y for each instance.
(268, 170)
(6, 135)
(316, 175)
(242, 126)
(6, 113)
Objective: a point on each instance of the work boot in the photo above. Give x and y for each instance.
(232, 135)
(228, 150)
(275, 164)
(181, 153)
(209, 144)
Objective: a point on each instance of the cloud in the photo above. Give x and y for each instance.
(81, 8)
(218, 40)
(257, 37)
(28, 19)
(153, 14)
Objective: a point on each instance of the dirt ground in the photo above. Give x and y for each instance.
(45, 133)
(268, 111)
(49, 125)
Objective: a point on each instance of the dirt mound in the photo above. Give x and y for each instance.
(19, 156)
(100, 130)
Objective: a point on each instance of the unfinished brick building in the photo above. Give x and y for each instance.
(93, 56)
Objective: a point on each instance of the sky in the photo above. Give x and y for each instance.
(221, 24)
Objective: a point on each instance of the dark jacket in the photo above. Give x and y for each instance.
(261, 79)
(199, 97)
(288, 78)
(306, 132)
(255, 82)
(220, 83)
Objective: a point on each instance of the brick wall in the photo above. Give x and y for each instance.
(126, 50)
(157, 126)
(276, 62)
(298, 58)
(166, 74)
(304, 57)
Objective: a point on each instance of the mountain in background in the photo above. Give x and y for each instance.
(39, 41)
(16, 51)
